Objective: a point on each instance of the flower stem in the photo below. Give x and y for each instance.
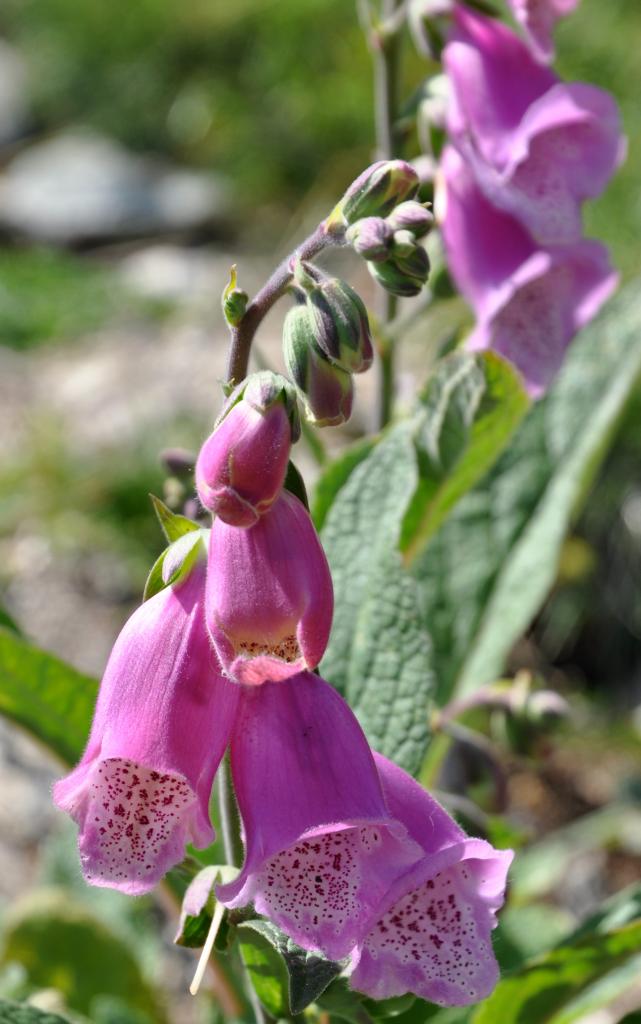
(243, 334)
(386, 46)
(229, 817)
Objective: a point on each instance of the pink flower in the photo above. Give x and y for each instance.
(162, 722)
(320, 846)
(529, 302)
(241, 466)
(538, 18)
(432, 935)
(537, 147)
(269, 594)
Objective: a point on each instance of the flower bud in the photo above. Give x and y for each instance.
(411, 216)
(234, 300)
(327, 390)
(405, 272)
(341, 324)
(404, 244)
(370, 237)
(242, 465)
(269, 599)
(376, 192)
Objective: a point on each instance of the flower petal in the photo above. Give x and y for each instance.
(320, 846)
(432, 933)
(269, 594)
(162, 722)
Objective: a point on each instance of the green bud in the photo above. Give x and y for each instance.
(411, 216)
(370, 237)
(234, 300)
(326, 390)
(405, 272)
(340, 322)
(375, 192)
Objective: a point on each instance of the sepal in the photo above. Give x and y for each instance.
(176, 561)
(234, 300)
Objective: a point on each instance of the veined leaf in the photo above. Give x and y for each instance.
(47, 697)
(557, 988)
(485, 573)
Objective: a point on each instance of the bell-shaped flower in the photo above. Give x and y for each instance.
(242, 465)
(432, 934)
(538, 18)
(320, 846)
(163, 719)
(538, 147)
(269, 594)
(529, 302)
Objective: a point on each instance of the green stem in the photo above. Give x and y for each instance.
(386, 47)
(243, 334)
(229, 817)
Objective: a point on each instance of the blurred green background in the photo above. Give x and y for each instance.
(111, 346)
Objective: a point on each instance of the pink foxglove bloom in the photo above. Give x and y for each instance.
(529, 302)
(432, 935)
(162, 722)
(538, 18)
(320, 846)
(269, 594)
(538, 147)
(241, 466)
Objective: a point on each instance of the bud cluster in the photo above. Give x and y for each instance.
(390, 245)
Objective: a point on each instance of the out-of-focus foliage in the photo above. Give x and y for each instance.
(270, 92)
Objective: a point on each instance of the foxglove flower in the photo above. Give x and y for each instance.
(538, 147)
(242, 465)
(320, 846)
(432, 934)
(162, 722)
(269, 594)
(529, 302)
(538, 18)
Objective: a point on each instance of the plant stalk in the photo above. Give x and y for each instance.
(386, 50)
(243, 334)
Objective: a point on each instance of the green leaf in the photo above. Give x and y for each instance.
(558, 987)
(173, 525)
(470, 408)
(6, 621)
(47, 697)
(485, 573)
(258, 942)
(286, 978)
(21, 1013)
(175, 561)
(155, 583)
(309, 976)
(379, 652)
(62, 946)
(336, 476)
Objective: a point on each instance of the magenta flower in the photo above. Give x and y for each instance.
(432, 935)
(538, 18)
(537, 147)
(269, 594)
(162, 722)
(320, 846)
(529, 302)
(241, 466)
